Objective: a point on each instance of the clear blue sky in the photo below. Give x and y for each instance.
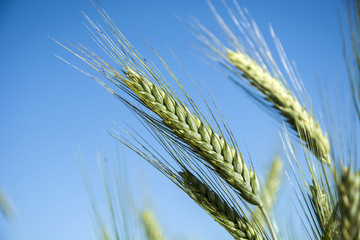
(48, 109)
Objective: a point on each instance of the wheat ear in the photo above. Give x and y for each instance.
(285, 102)
(228, 217)
(270, 189)
(213, 148)
(349, 204)
(151, 225)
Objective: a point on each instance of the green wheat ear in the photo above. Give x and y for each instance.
(213, 148)
(285, 102)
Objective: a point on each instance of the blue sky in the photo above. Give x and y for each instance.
(49, 109)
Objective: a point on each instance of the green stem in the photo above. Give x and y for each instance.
(271, 227)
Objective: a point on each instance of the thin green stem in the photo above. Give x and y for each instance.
(267, 219)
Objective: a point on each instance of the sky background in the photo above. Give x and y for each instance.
(48, 109)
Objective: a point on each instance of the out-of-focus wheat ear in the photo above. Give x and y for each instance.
(151, 225)
(349, 204)
(5, 206)
(238, 226)
(212, 147)
(285, 102)
(270, 188)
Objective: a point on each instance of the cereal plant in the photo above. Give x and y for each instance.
(200, 153)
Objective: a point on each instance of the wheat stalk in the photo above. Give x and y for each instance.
(228, 217)
(349, 204)
(152, 227)
(285, 101)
